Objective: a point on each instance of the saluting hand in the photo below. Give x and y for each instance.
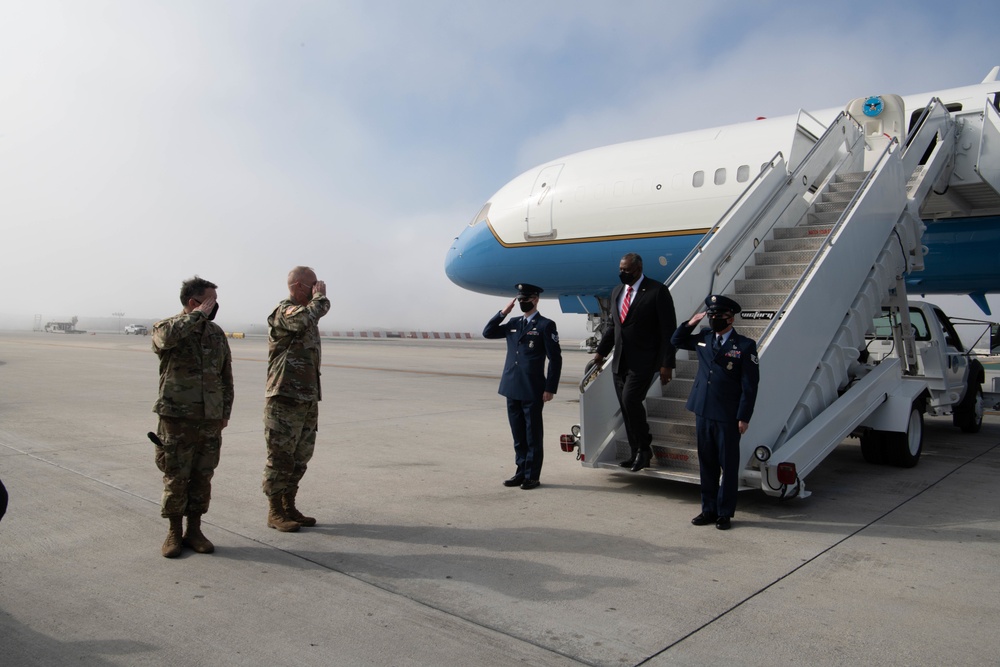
(697, 318)
(206, 306)
(509, 307)
(319, 287)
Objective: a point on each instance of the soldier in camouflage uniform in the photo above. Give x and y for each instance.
(291, 407)
(194, 405)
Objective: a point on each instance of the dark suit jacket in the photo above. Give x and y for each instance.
(642, 342)
(523, 376)
(725, 388)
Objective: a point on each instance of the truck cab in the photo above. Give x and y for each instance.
(953, 374)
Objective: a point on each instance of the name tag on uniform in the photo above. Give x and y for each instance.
(701, 345)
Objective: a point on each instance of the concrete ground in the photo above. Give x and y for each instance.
(422, 557)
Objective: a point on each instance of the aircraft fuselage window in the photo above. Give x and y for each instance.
(743, 173)
(699, 179)
(720, 176)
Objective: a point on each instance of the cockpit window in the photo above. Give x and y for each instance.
(481, 216)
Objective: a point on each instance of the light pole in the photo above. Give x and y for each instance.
(119, 316)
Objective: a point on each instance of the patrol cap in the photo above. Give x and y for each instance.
(718, 303)
(526, 290)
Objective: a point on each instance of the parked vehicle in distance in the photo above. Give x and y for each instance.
(137, 329)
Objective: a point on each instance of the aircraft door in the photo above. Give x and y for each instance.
(539, 214)
(988, 165)
(883, 119)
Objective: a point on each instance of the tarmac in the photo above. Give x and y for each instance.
(422, 557)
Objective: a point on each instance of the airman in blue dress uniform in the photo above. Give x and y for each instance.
(531, 339)
(722, 399)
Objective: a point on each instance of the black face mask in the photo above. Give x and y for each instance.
(627, 278)
(215, 309)
(720, 323)
(526, 306)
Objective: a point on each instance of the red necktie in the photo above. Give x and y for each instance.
(625, 302)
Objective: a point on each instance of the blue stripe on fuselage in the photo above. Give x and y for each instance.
(477, 262)
(963, 257)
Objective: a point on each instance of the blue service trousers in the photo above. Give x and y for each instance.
(526, 427)
(719, 447)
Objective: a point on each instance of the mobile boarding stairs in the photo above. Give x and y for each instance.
(812, 250)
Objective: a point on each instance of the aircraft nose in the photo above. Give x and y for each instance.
(471, 260)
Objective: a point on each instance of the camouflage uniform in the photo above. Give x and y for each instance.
(291, 407)
(196, 394)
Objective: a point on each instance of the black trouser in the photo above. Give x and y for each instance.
(631, 388)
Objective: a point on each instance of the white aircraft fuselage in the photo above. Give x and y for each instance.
(565, 224)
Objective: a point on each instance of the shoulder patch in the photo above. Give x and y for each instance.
(555, 337)
(753, 358)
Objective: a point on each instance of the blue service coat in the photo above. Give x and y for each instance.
(725, 388)
(524, 377)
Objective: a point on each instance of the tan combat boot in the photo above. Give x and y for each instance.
(276, 516)
(288, 501)
(172, 545)
(193, 537)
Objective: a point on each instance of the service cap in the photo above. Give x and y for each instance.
(526, 290)
(718, 303)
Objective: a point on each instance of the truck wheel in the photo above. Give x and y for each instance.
(968, 415)
(903, 449)
(873, 446)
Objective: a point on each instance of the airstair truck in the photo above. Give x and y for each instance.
(816, 250)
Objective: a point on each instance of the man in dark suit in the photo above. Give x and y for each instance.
(640, 334)
(722, 398)
(531, 339)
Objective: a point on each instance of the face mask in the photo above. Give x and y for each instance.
(718, 323)
(626, 278)
(526, 306)
(215, 309)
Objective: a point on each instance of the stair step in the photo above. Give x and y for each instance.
(673, 431)
(784, 257)
(801, 243)
(766, 285)
(669, 407)
(838, 196)
(773, 271)
(768, 302)
(666, 456)
(688, 476)
(823, 218)
(802, 231)
(855, 177)
(829, 207)
(752, 328)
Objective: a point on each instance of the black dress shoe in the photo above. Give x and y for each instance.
(513, 481)
(641, 461)
(530, 484)
(627, 463)
(722, 523)
(704, 519)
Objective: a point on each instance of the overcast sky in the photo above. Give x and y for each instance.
(144, 142)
